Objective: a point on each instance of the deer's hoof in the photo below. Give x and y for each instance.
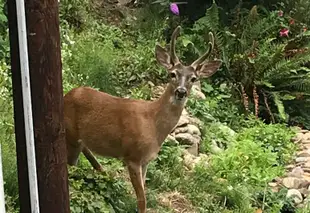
(136, 211)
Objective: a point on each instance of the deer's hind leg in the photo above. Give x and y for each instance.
(73, 151)
(74, 145)
(92, 159)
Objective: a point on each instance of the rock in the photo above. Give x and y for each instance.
(295, 194)
(214, 148)
(181, 130)
(195, 121)
(307, 164)
(302, 159)
(306, 141)
(296, 172)
(304, 153)
(184, 112)
(188, 160)
(293, 182)
(194, 149)
(172, 140)
(183, 121)
(306, 136)
(198, 94)
(299, 137)
(304, 192)
(272, 184)
(290, 166)
(194, 130)
(187, 139)
(191, 161)
(190, 128)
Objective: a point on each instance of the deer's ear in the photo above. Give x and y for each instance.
(163, 57)
(208, 68)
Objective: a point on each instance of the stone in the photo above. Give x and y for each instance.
(272, 184)
(183, 121)
(307, 164)
(187, 139)
(292, 182)
(299, 137)
(296, 172)
(304, 153)
(306, 142)
(295, 195)
(290, 166)
(304, 192)
(190, 161)
(198, 94)
(172, 140)
(302, 159)
(194, 149)
(194, 130)
(184, 112)
(306, 136)
(181, 130)
(275, 189)
(214, 148)
(195, 121)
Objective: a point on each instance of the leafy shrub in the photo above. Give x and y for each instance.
(216, 133)
(246, 161)
(268, 71)
(160, 173)
(276, 138)
(75, 13)
(91, 191)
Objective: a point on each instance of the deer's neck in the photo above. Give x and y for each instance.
(167, 113)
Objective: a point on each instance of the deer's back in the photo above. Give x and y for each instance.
(109, 125)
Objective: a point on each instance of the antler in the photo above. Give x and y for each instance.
(175, 34)
(196, 63)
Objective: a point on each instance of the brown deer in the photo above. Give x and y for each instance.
(127, 129)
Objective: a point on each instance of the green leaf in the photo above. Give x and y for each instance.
(279, 105)
(288, 97)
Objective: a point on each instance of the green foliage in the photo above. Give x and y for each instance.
(160, 175)
(260, 60)
(246, 161)
(91, 191)
(75, 13)
(276, 138)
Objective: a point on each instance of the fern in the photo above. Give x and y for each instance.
(279, 105)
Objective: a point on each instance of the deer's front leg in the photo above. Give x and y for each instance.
(144, 169)
(135, 173)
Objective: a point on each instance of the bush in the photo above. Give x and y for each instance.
(91, 191)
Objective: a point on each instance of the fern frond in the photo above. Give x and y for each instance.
(278, 102)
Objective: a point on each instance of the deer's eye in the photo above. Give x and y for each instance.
(173, 75)
(193, 79)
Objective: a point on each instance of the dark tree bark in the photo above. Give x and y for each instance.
(47, 104)
(22, 165)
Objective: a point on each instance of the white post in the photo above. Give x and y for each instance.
(25, 78)
(2, 201)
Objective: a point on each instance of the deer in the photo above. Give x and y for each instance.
(132, 130)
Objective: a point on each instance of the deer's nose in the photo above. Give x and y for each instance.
(181, 92)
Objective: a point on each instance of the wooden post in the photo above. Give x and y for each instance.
(47, 104)
(22, 166)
